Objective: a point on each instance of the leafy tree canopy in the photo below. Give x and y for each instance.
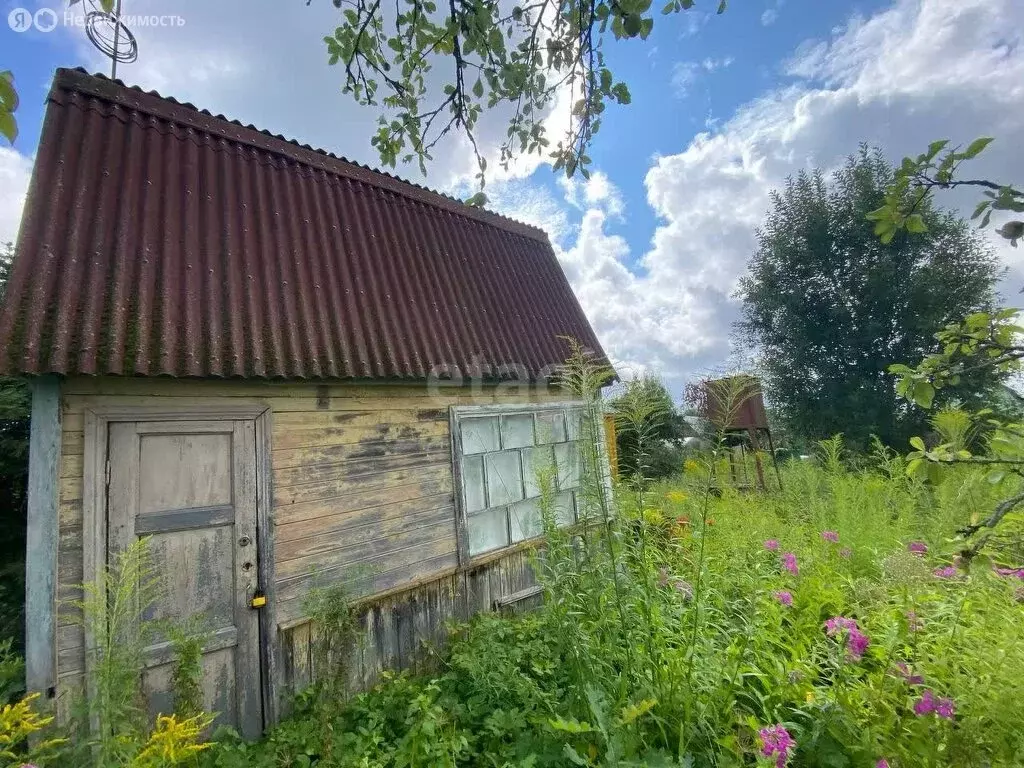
(649, 438)
(516, 57)
(830, 306)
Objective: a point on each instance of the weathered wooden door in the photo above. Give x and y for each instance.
(191, 487)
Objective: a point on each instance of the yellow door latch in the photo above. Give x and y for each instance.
(258, 600)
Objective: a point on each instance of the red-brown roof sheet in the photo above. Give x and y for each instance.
(162, 240)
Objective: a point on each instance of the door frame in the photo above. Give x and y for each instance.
(94, 512)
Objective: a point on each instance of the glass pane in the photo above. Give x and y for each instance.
(574, 423)
(487, 531)
(524, 520)
(480, 434)
(567, 460)
(504, 477)
(565, 510)
(517, 430)
(473, 483)
(535, 461)
(550, 427)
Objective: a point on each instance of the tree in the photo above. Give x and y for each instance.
(830, 307)
(519, 56)
(650, 442)
(15, 407)
(983, 343)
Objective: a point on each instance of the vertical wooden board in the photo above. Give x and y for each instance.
(70, 690)
(405, 610)
(270, 645)
(298, 644)
(41, 540)
(247, 653)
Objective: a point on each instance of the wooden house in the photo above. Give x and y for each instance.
(287, 370)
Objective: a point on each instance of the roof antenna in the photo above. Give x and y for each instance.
(108, 32)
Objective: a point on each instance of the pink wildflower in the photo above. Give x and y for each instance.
(948, 572)
(845, 552)
(772, 545)
(855, 641)
(832, 536)
(928, 704)
(883, 763)
(785, 598)
(789, 563)
(918, 548)
(837, 624)
(1012, 573)
(908, 675)
(945, 709)
(924, 705)
(776, 742)
(856, 644)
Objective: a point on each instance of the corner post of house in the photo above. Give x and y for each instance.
(41, 538)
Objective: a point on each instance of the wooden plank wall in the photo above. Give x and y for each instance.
(402, 629)
(362, 492)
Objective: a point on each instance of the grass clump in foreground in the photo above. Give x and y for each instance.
(825, 625)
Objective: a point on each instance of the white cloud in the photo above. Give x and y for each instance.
(771, 14)
(15, 170)
(693, 22)
(686, 73)
(920, 70)
(595, 192)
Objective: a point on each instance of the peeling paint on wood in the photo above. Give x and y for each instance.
(402, 631)
(362, 492)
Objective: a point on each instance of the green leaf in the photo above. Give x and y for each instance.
(722, 5)
(878, 214)
(631, 24)
(8, 95)
(923, 393)
(573, 756)
(935, 147)
(980, 209)
(917, 443)
(996, 476)
(915, 224)
(976, 147)
(478, 89)
(8, 126)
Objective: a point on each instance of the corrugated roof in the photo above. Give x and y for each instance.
(162, 240)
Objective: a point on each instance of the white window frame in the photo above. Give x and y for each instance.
(461, 412)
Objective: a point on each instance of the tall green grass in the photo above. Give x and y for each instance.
(663, 641)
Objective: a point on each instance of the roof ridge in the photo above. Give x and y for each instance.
(117, 91)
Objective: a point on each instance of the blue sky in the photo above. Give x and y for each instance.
(724, 108)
